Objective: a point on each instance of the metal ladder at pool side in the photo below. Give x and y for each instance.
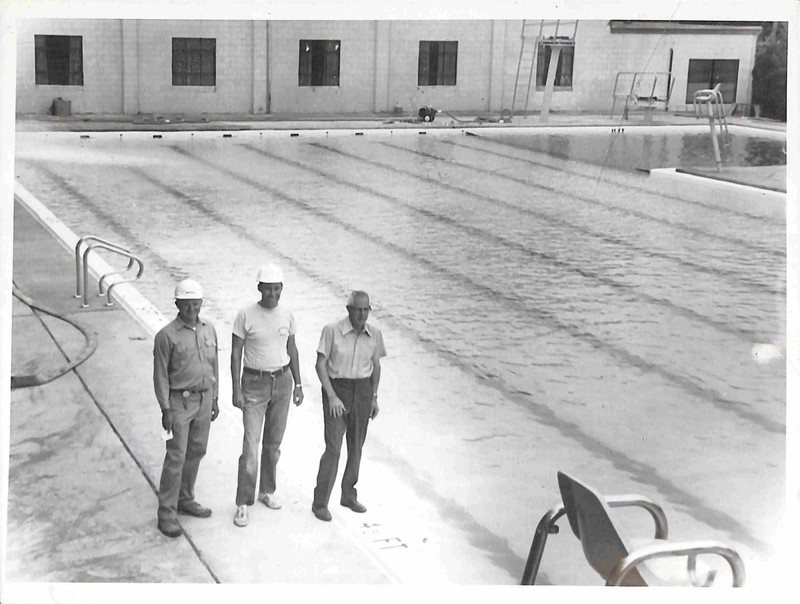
(548, 35)
(711, 99)
(82, 268)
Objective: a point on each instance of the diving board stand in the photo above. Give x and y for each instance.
(643, 91)
(553, 34)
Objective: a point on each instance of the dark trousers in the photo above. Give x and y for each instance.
(356, 395)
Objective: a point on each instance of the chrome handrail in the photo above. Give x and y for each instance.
(82, 267)
(715, 110)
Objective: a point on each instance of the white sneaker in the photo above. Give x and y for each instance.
(270, 500)
(240, 519)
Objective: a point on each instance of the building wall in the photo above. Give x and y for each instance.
(356, 90)
(600, 55)
(102, 66)
(127, 66)
(472, 91)
(233, 92)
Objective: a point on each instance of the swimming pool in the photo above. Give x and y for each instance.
(540, 313)
(645, 148)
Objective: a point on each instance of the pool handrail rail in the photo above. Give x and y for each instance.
(93, 242)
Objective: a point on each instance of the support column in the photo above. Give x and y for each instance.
(130, 66)
(380, 94)
(260, 73)
(555, 53)
(497, 66)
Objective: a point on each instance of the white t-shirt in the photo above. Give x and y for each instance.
(265, 333)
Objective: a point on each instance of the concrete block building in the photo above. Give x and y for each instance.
(132, 66)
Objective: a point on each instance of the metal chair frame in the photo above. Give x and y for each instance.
(624, 569)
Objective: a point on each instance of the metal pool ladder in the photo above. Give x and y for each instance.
(711, 98)
(82, 268)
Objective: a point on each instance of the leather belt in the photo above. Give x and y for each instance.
(186, 393)
(264, 372)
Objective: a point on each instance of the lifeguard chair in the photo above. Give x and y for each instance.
(554, 34)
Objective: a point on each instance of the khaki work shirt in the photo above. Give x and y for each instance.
(185, 358)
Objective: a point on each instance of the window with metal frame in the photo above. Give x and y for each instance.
(59, 60)
(707, 73)
(566, 59)
(438, 63)
(194, 61)
(318, 64)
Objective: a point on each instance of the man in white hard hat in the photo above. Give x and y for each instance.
(186, 380)
(264, 365)
(349, 369)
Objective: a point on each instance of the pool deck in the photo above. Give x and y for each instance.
(102, 417)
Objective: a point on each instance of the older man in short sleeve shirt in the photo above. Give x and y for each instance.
(349, 369)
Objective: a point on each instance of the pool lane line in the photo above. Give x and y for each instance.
(643, 473)
(591, 200)
(738, 408)
(708, 206)
(747, 335)
(716, 271)
(120, 229)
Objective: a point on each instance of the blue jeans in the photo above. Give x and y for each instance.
(191, 421)
(266, 405)
(356, 395)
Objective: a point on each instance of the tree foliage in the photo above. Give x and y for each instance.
(769, 70)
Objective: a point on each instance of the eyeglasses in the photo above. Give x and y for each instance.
(362, 308)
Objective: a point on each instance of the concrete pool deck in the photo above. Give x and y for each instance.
(100, 403)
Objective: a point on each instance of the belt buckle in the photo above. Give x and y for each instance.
(185, 394)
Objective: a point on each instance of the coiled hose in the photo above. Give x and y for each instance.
(44, 377)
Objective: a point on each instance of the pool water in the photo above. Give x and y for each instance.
(539, 314)
(633, 150)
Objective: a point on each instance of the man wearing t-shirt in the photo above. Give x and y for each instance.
(264, 364)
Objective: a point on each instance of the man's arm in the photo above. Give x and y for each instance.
(336, 406)
(237, 345)
(215, 399)
(161, 352)
(375, 379)
(294, 367)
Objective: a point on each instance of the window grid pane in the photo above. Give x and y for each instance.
(194, 62)
(707, 73)
(58, 60)
(437, 63)
(318, 63)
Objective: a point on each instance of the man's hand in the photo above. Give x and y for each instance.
(298, 395)
(238, 399)
(166, 419)
(336, 406)
(214, 409)
(373, 413)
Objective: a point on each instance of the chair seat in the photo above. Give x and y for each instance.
(670, 571)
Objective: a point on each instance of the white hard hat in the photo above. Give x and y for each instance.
(270, 273)
(188, 289)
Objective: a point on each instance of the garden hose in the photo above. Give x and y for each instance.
(44, 377)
